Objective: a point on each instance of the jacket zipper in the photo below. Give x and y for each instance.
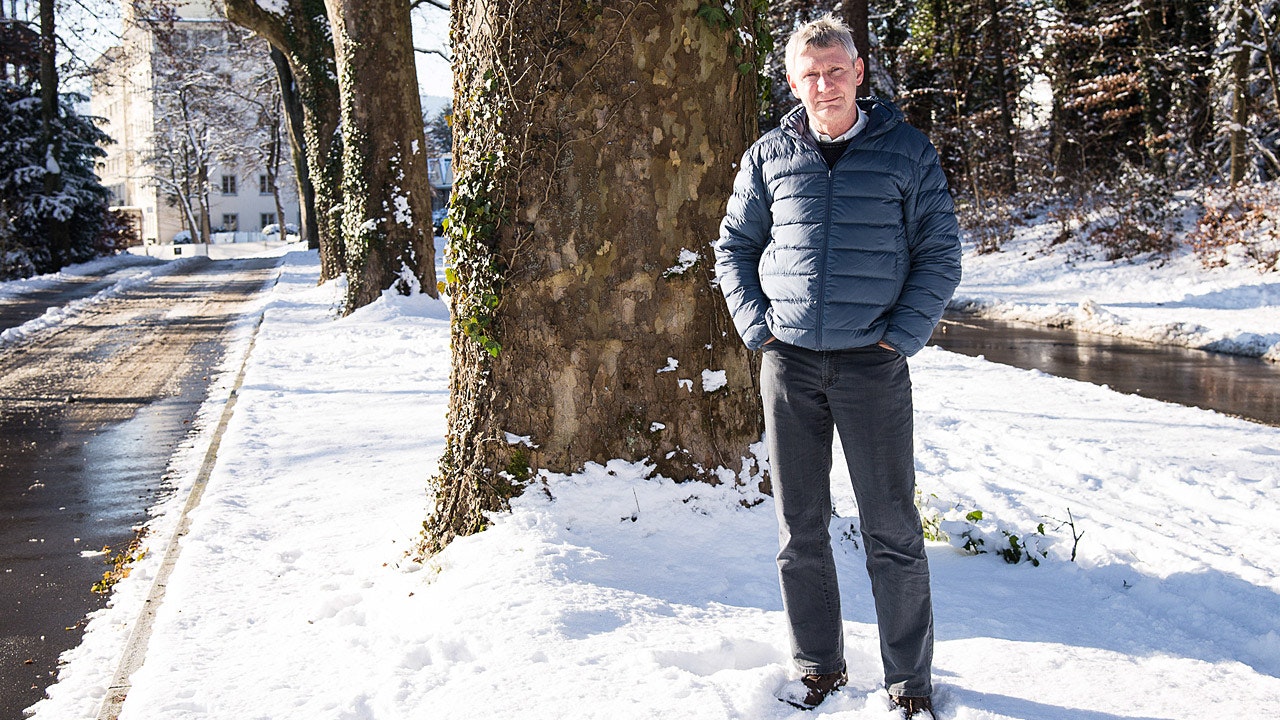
(822, 266)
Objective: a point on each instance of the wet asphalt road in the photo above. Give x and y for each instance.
(90, 413)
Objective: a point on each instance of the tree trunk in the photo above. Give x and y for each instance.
(386, 213)
(1007, 87)
(182, 184)
(302, 35)
(55, 227)
(594, 153)
(1068, 63)
(295, 125)
(202, 188)
(273, 160)
(1156, 81)
(1263, 19)
(1240, 99)
(1196, 36)
(858, 17)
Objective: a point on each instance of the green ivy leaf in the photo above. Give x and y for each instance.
(714, 16)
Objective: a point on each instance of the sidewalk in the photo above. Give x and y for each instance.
(308, 456)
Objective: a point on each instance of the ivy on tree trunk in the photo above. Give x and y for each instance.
(386, 209)
(302, 35)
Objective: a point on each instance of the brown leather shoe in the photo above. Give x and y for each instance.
(913, 707)
(809, 691)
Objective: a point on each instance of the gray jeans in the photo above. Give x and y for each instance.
(865, 395)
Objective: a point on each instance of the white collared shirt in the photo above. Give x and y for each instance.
(857, 128)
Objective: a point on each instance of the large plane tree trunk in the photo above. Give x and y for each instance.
(595, 146)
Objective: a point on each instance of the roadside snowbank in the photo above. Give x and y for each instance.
(100, 266)
(612, 594)
(130, 274)
(126, 271)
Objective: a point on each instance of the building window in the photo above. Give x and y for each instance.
(230, 222)
(264, 187)
(267, 219)
(228, 184)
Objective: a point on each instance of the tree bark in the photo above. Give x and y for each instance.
(594, 152)
(1240, 98)
(295, 125)
(55, 227)
(857, 16)
(386, 212)
(302, 36)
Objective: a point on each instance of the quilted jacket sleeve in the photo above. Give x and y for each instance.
(933, 240)
(744, 232)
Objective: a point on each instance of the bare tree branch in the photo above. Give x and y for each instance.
(439, 4)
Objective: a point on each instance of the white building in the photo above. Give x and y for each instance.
(440, 176)
(139, 84)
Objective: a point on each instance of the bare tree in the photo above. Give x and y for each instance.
(198, 70)
(260, 96)
(309, 86)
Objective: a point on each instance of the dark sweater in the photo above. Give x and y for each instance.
(832, 151)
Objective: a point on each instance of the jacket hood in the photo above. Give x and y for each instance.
(882, 116)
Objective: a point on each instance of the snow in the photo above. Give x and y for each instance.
(275, 7)
(687, 259)
(133, 273)
(513, 439)
(612, 594)
(402, 213)
(1234, 309)
(713, 380)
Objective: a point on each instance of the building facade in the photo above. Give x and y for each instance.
(188, 99)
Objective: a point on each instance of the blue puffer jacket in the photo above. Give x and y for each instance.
(845, 257)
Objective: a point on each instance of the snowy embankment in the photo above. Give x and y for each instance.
(609, 594)
(1233, 309)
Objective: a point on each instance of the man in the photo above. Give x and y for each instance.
(837, 255)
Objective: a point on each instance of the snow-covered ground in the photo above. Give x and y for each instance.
(612, 595)
(1233, 309)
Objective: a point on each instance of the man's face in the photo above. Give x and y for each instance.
(826, 81)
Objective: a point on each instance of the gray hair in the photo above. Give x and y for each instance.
(827, 31)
